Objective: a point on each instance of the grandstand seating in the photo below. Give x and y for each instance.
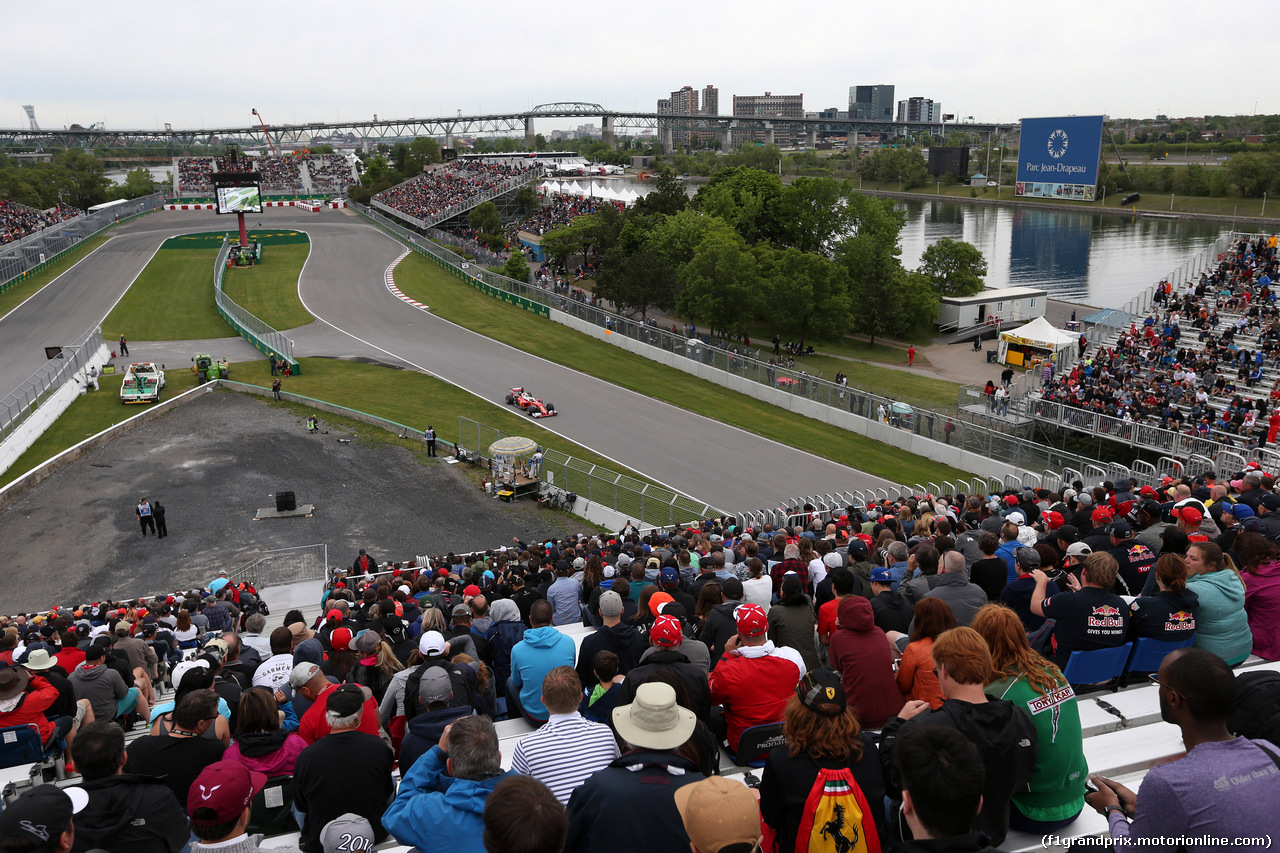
(451, 189)
(18, 220)
(328, 174)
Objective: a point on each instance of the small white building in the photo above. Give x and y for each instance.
(977, 179)
(1008, 304)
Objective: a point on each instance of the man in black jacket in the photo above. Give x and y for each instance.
(134, 813)
(942, 780)
(613, 635)
(721, 626)
(1002, 732)
(665, 638)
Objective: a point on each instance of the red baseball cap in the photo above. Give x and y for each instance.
(1190, 514)
(666, 632)
(340, 639)
(751, 620)
(334, 615)
(222, 792)
(1054, 520)
(1011, 500)
(471, 590)
(1101, 514)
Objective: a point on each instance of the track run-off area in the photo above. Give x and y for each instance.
(344, 285)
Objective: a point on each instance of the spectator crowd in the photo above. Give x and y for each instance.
(18, 220)
(1203, 362)
(330, 173)
(442, 189)
(909, 657)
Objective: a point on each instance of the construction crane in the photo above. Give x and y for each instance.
(264, 132)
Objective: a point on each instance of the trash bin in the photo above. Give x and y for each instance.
(991, 356)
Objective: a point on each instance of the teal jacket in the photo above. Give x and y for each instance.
(541, 650)
(1222, 626)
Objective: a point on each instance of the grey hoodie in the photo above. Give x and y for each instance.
(101, 685)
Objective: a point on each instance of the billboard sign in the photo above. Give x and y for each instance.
(1058, 157)
(237, 192)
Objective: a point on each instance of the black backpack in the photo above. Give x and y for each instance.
(1256, 712)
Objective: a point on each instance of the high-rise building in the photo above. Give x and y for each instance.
(664, 106)
(710, 100)
(919, 109)
(684, 102)
(767, 105)
(874, 103)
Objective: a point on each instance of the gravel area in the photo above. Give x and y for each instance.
(212, 464)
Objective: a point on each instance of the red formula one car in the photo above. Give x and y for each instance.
(522, 399)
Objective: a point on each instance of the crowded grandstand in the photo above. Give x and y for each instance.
(288, 175)
(452, 187)
(820, 646)
(18, 220)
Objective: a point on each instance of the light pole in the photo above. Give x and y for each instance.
(1264, 205)
(1171, 201)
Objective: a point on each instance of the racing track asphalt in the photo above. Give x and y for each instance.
(342, 284)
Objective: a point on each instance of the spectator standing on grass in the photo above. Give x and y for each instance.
(1224, 787)
(568, 749)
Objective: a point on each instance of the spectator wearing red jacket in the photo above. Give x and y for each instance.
(23, 700)
(754, 678)
(307, 680)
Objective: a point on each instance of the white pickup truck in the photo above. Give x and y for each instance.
(142, 383)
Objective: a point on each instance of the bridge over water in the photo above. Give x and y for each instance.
(386, 130)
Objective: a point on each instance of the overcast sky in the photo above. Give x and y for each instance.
(142, 63)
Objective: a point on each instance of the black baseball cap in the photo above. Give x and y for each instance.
(42, 814)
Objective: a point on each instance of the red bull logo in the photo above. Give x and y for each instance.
(1180, 621)
(1107, 617)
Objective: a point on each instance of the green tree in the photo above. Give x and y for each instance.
(638, 281)
(812, 213)
(667, 196)
(526, 199)
(722, 284)
(516, 267)
(744, 198)
(422, 153)
(540, 142)
(955, 267)
(484, 218)
(809, 295)
(137, 183)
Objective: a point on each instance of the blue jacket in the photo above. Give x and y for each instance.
(1222, 626)
(542, 650)
(502, 638)
(1005, 552)
(437, 813)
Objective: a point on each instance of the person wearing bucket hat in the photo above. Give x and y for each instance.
(27, 695)
(753, 679)
(827, 736)
(620, 809)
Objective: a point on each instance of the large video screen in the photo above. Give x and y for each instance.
(1058, 157)
(240, 199)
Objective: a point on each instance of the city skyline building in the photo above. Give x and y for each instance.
(919, 109)
(767, 105)
(871, 102)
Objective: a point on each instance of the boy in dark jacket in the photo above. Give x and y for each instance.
(1002, 732)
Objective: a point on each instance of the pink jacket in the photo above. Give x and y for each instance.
(1262, 604)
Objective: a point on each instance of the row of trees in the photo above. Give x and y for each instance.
(72, 176)
(1243, 176)
(811, 260)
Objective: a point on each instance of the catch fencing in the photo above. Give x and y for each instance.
(645, 503)
(27, 397)
(284, 566)
(255, 331)
(29, 255)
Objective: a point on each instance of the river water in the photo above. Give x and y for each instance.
(1099, 260)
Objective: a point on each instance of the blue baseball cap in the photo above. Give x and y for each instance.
(669, 575)
(881, 575)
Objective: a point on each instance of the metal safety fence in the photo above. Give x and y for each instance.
(283, 566)
(29, 255)
(645, 503)
(255, 331)
(27, 397)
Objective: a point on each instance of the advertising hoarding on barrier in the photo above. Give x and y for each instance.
(1058, 157)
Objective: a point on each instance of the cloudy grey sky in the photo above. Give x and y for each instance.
(145, 62)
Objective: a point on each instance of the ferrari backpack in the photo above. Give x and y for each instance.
(837, 817)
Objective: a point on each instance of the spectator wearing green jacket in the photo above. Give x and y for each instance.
(1055, 795)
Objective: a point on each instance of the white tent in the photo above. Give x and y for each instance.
(1041, 334)
(573, 189)
(549, 186)
(606, 192)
